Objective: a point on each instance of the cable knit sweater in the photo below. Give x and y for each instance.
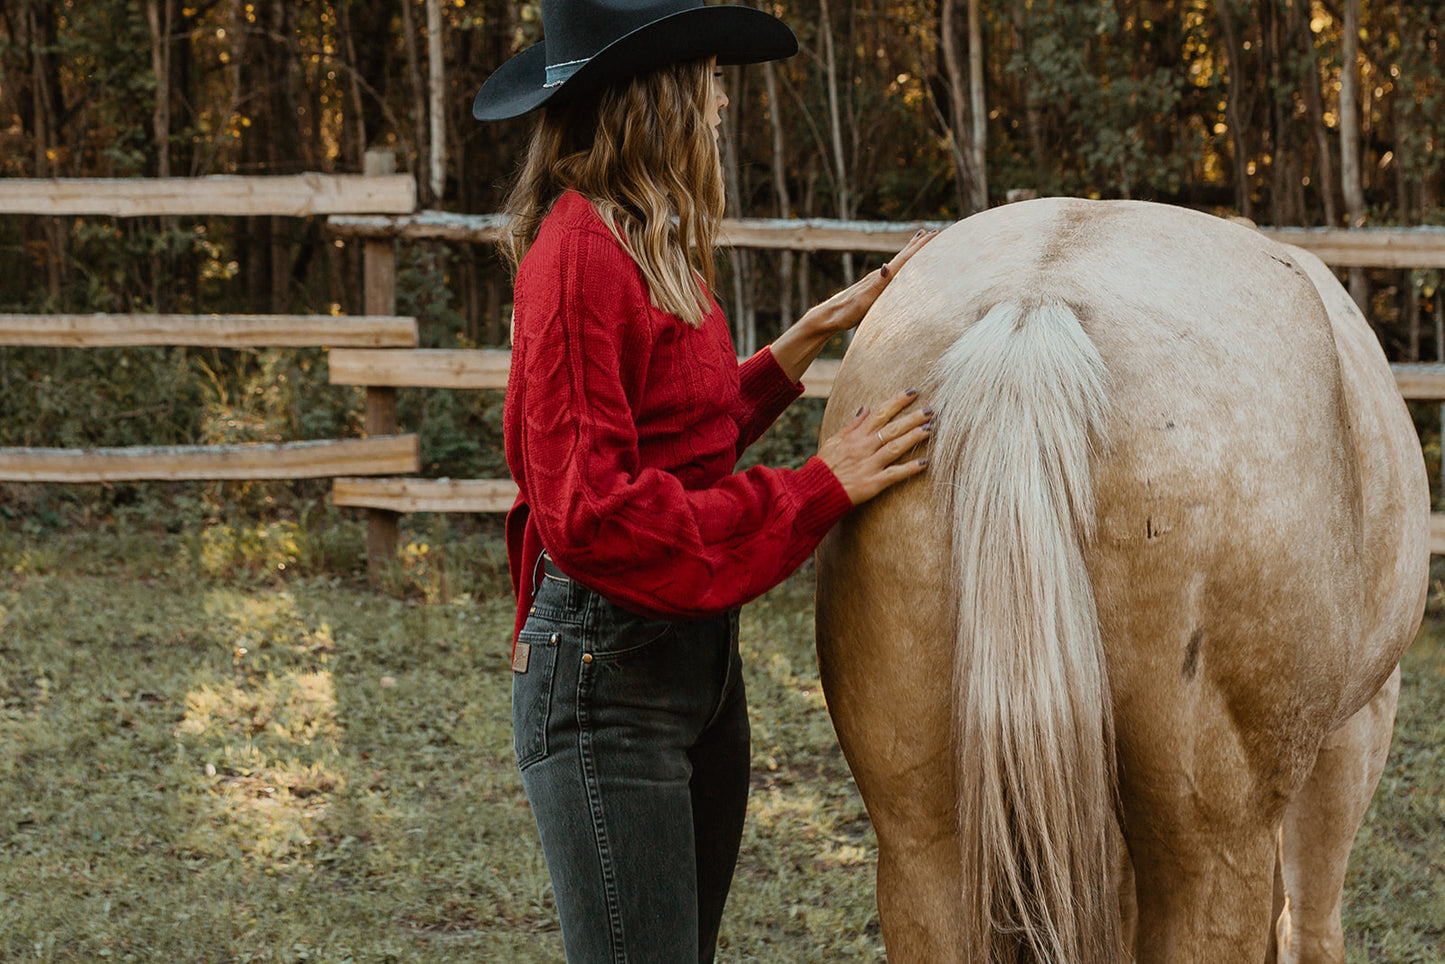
(623, 426)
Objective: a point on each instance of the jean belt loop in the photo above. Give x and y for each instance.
(549, 570)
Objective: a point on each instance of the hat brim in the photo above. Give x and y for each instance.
(733, 33)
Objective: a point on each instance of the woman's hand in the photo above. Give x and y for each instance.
(796, 348)
(865, 454)
(846, 309)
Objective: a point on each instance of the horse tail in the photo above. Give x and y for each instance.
(1022, 402)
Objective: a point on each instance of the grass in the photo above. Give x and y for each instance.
(213, 750)
(1395, 891)
(201, 761)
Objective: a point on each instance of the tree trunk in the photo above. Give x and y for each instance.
(953, 123)
(1350, 174)
(436, 87)
(745, 320)
(835, 125)
(784, 203)
(978, 141)
(46, 103)
(1410, 279)
(160, 24)
(1233, 115)
(1033, 116)
(1314, 104)
(355, 118)
(421, 161)
(965, 98)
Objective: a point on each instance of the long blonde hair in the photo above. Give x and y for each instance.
(643, 153)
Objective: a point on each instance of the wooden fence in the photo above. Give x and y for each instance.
(379, 352)
(487, 368)
(381, 452)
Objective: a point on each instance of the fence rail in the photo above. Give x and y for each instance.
(176, 463)
(208, 331)
(426, 495)
(295, 195)
(379, 350)
(1422, 247)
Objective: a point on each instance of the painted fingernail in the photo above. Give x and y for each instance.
(884, 271)
(859, 412)
(928, 427)
(921, 232)
(911, 392)
(927, 412)
(923, 461)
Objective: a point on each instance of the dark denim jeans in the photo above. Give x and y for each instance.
(632, 738)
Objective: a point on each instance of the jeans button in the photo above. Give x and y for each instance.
(586, 657)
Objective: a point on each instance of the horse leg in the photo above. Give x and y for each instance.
(888, 686)
(1319, 829)
(1203, 893)
(1125, 884)
(1202, 802)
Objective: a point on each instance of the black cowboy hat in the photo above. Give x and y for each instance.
(588, 44)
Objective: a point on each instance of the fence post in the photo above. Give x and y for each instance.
(379, 264)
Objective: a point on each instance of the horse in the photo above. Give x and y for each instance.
(1116, 676)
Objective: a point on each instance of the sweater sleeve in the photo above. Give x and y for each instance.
(633, 533)
(765, 391)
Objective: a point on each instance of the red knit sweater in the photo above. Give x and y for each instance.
(623, 426)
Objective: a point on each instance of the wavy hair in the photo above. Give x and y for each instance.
(643, 153)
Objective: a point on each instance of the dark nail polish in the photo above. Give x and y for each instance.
(884, 271)
(859, 412)
(928, 426)
(928, 411)
(911, 392)
(921, 232)
(923, 461)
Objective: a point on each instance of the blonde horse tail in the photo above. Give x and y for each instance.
(1021, 401)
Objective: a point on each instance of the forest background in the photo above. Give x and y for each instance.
(1289, 112)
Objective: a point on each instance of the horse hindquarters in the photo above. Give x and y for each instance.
(1226, 572)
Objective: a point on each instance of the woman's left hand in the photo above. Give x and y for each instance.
(796, 348)
(846, 309)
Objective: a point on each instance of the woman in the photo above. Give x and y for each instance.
(633, 542)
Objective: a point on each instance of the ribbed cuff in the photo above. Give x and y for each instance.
(764, 384)
(821, 497)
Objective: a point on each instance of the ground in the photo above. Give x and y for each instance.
(207, 757)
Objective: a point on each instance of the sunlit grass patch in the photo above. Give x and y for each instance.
(292, 707)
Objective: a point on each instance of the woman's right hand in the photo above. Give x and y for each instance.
(864, 454)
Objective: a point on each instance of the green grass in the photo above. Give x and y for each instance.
(1395, 892)
(213, 750)
(205, 759)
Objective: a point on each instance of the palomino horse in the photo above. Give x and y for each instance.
(1157, 579)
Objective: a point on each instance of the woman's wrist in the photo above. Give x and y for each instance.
(796, 348)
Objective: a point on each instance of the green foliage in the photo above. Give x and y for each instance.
(99, 397)
(791, 440)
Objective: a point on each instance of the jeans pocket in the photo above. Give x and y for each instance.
(624, 633)
(532, 697)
